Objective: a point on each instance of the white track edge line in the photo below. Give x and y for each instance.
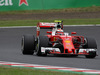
(5, 62)
(64, 26)
(87, 71)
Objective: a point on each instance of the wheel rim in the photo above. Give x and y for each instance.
(22, 44)
(37, 47)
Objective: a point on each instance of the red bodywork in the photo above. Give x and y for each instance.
(69, 47)
(67, 41)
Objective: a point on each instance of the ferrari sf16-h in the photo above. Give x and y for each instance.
(58, 42)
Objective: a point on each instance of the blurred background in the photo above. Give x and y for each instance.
(29, 12)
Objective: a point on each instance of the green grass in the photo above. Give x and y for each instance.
(66, 10)
(5, 23)
(4, 70)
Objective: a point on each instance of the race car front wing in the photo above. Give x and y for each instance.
(50, 50)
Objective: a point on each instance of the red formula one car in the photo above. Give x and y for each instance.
(57, 42)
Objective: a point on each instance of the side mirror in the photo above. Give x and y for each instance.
(73, 33)
(49, 32)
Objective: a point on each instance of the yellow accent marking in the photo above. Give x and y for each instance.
(57, 21)
(68, 41)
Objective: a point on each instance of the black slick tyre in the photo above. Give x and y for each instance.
(28, 44)
(91, 44)
(42, 42)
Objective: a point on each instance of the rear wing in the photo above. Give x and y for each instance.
(47, 25)
(43, 25)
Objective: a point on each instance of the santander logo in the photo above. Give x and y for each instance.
(23, 2)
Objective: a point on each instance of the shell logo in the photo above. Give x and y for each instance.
(68, 41)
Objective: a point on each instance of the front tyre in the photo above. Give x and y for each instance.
(28, 44)
(43, 41)
(91, 44)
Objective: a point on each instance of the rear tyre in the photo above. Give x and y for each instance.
(28, 44)
(91, 44)
(43, 41)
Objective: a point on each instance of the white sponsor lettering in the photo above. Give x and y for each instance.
(1, 3)
(6, 2)
(43, 49)
(86, 50)
(48, 24)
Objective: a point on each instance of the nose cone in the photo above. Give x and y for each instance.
(68, 45)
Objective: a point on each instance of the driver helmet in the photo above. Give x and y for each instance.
(59, 30)
(58, 26)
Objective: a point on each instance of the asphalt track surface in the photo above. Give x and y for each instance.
(10, 48)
